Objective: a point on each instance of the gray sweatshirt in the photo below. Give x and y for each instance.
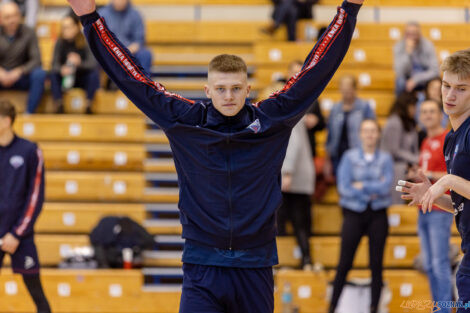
(299, 162)
(425, 55)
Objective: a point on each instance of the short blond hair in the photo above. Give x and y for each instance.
(458, 63)
(228, 63)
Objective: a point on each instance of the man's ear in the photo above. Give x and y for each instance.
(207, 91)
(248, 89)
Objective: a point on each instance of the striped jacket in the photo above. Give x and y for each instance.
(21, 187)
(228, 167)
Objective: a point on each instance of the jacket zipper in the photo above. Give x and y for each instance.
(230, 188)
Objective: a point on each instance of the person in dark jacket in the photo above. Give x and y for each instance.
(127, 23)
(21, 199)
(73, 64)
(20, 59)
(228, 154)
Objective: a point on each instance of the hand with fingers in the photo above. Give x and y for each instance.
(433, 193)
(415, 191)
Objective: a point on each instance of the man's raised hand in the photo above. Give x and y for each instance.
(82, 7)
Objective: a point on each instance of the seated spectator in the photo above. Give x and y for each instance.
(29, 10)
(127, 23)
(20, 59)
(288, 12)
(415, 60)
(285, 12)
(73, 64)
(400, 138)
(344, 122)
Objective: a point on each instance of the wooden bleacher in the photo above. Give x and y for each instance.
(85, 291)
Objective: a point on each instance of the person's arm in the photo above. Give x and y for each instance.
(32, 9)
(416, 192)
(369, 112)
(382, 186)
(35, 195)
(316, 110)
(401, 60)
(345, 180)
(55, 64)
(431, 64)
(392, 135)
(289, 104)
(292, 155)
(436, 192)
(88, 62)
(161, 106)
(34, 55)
(138, 34)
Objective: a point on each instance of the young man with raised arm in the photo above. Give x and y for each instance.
(228, 154)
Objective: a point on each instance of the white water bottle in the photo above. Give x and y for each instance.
(69, 80)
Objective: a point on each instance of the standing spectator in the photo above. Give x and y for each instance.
(298, 181)
(127, 24)
(73, 60)
(365, 175)
(400, 137)
(344, 123)
(29, 10)
(21, 199)
(20, 59)
(434, 227)
(415, 60)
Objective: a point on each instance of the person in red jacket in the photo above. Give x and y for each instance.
(21, 199)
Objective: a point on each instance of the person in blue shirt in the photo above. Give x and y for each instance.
(228, 155)
(365, 175)
(127, 23)
(456, 100)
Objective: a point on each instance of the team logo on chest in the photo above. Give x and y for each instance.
(16, 161)
(255, 126)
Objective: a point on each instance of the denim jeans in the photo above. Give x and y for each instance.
(144, 56)
(88, 80)
(434, 233)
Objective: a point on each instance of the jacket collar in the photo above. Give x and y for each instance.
(217, 121)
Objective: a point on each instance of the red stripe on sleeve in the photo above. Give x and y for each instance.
(34, 196)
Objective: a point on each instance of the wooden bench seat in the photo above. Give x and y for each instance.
(400, 251)
(63, 217)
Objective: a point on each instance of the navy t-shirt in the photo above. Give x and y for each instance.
(457, 156)
(264, 256)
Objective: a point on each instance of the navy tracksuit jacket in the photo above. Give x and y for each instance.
(21, 187)
(228, 167)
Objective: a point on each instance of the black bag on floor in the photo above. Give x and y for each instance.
(115, 233)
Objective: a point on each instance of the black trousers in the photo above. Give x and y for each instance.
(374, 224)
(296, 208)
(285, 12)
